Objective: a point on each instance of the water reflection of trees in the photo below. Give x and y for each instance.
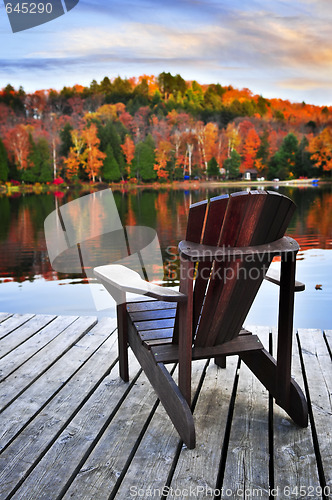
(23, 254)
(312, 222)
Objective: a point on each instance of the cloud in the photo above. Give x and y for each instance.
(304, 84)
(240, 38)
(257, 43)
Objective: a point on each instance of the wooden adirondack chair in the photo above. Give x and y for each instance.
(230, 243)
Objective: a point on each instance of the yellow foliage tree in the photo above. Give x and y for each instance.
(320, 148)
(93, 157)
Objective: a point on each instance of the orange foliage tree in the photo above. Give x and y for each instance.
(93, 157)
(250, 149)
(232, 134)
(128, 149)
(161, 158)
(211, 140)
(18, 145)
(75, 157)
(72, 164)
(320, 148)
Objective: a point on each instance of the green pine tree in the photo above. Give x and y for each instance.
(144, 159)
(111, 171)
(66, 140)
(213, 168)
(232, 165)
(283, 163)
(109, 134)
(39, 162)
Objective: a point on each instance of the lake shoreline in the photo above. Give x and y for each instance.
(60, 189)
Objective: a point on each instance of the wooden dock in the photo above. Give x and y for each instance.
(70, 428)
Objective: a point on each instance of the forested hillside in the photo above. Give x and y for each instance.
(159, 128)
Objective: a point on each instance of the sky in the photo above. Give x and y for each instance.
(276, 48)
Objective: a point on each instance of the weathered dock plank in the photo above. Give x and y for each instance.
(318, 374)
(295, 463)
(247, 467)
(157, 455)
(37, 395)
(4, 316)
(71, 428)
(100, 473)
(22, 335)
(328, 340)
(66, 333)
(55, 426)
(12, 322)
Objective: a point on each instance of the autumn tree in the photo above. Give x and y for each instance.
(75, 157)
(250, 149)
(128, 149)
(232, 134)
(161, 158)
(320, 148)
(92, 155)
(3, 162)
(211, 140)
(18, 145)
(72, 164)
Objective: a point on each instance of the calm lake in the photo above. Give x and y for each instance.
(29, 284)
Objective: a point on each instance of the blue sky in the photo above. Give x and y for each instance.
(276, 48)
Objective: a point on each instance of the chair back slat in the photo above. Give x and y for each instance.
(196, 220)
(249, 219)
(214, 219)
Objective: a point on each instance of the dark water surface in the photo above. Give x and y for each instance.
(29, 284)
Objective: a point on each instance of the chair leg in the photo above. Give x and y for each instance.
(264, 366)
(285, 325)
(123, 341)
(168, 392)
(220, 361)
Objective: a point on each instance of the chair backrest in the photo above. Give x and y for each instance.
(224, 291)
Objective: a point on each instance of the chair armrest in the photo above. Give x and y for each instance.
(196, 252)
(274, 276)
(127, 280)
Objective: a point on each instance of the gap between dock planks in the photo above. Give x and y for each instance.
(17, 337)
(198, 469)
(246, 462)
(10, 322)
(318, 376)
(157, 455)
(295, 463)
